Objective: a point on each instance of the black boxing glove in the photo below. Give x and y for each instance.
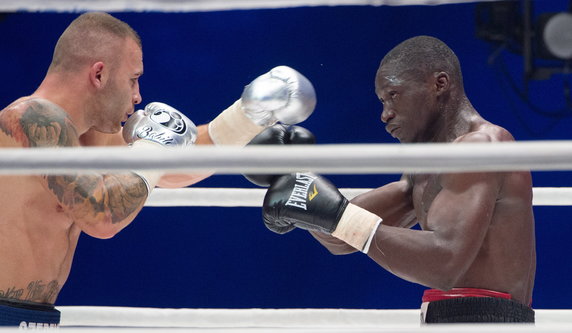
(311, 202)
(300, 136)
(279, 134)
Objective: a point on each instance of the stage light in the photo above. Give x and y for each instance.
(556, 35)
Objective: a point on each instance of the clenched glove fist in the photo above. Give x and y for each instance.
(160, 123)
(281, 95)
(278, 134)
(311, 202)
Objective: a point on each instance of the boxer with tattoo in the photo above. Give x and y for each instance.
(90, 88)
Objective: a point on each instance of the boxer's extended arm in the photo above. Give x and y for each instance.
(182, 180)
(100, 204)
(282, 95)
(94, 138)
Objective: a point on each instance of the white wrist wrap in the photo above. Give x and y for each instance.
(150, 177)
(233, 127)
(357, 227)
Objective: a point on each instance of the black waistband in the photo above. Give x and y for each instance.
(478, 310)
(28, 314)
(27, 305)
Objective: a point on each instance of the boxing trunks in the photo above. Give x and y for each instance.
(470, 305)
(28, 315)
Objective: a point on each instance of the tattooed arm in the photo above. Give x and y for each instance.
(100, 204)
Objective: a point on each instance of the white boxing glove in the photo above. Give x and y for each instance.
(156, 126)
(160, 123)
(281, 95)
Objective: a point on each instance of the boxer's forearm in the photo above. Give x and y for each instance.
(183, 180)
(334, 245)
(203, 137)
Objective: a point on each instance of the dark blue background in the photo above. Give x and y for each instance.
(225, 257)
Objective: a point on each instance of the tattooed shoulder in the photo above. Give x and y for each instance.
(38, 123)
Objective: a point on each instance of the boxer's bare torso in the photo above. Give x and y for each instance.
(477, 228)
(43, 216)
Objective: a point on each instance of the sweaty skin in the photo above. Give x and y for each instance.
(477, 228)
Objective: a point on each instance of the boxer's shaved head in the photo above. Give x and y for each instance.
(89, 38)
(421, 56)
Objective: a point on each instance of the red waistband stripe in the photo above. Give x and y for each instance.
(432, 295)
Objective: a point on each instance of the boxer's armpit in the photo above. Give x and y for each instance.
(98, 197)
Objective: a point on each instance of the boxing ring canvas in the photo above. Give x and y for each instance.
(219, 257)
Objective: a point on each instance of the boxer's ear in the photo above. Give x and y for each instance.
(98, 75)
(441, 83)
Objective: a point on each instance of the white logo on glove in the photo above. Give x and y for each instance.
(147, 133)
(300, 191)
(171, 120)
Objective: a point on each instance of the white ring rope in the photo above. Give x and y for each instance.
(341, 159)
(196, 5)
(243, 197)
(79, 316)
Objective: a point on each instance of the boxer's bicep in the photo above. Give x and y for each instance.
(101, 204)
(459, 219)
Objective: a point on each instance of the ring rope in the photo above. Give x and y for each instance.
(78, 316)
(340, 159)
(194, 5)
(244, 197)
